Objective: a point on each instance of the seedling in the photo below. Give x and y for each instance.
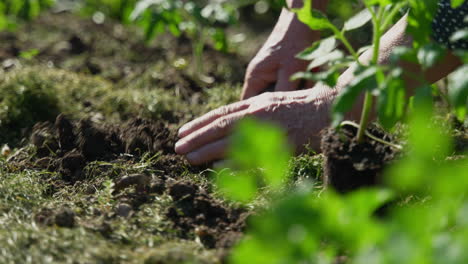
(200, 22)
(376, 81)
(13, 11)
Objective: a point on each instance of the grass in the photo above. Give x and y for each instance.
(155, 90)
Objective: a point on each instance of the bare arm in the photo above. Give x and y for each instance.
(396, 36)
(303, 114)
(275, 62)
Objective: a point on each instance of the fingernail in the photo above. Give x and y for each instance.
(179, 144)
(182, 131)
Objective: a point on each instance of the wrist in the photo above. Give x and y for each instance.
(294, 3)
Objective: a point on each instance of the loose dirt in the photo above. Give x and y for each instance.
(69, 147)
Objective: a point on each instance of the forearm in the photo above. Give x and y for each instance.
(413, 74)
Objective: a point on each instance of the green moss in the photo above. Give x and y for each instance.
(220, 95)
(306, 167)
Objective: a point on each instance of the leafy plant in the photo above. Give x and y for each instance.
(419, 218)
(425, 223)
(198, 21)
(13, 11)
(383, 82)
(116, 9)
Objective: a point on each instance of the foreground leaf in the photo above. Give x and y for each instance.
(458, 92)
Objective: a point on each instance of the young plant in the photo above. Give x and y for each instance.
(116, 9)
(196, 20)
(13, 11)
(425, 223)
(374, 80)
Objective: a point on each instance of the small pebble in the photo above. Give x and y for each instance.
(6, 151)
(123, 210)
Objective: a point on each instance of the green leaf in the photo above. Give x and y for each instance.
(391, 100)
(404, 53)
(240, 187)
(430, 54)
(365, 80)
(312, 18)
(456, 3)
(357, 21)
(29, 54)
(329, 77)
(365, 202)
(420, 21)
(330, 57)
(462, 54)
(220, 40)
(378, 2)
(318, 49)
(261, 145)
(423, 100)
(458, 92)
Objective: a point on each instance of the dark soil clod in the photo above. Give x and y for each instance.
(63, 217)
(140, 181)
(65, 132)
(350, 165)
(71, 166)
(77, 46)
(194, 210)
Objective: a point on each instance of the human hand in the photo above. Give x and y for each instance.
(276, 61)
(303, 114)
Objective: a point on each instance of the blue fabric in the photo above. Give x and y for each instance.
(447, 21)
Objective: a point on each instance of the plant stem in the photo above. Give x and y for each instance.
(340, 35)
(365, 115)
(396, 146)
(392, 14)
(368, 99)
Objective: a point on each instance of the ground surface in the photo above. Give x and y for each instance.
(91, 120)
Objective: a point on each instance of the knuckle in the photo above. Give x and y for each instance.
(222, 111)
(223, 123)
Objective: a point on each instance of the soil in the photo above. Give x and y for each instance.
(68, 147)
(77, 156)
(114, 52)
(214, 224)
(350, 165)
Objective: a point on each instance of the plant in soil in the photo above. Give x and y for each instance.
(356, 154)
(416, 218)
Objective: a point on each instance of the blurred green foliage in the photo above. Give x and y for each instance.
(425, 206)
(12, 11)
(420, 217)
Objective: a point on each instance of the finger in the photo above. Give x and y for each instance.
(211, 152)
(284, 83)
(208, 134)
(259, 75)
(211, 116)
